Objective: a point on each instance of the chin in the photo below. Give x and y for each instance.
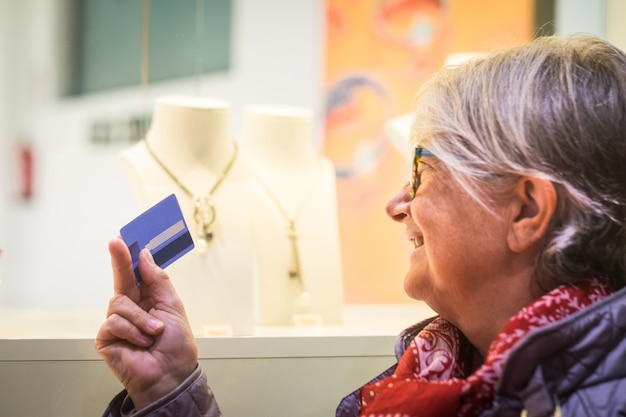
(413, 290)
(417, 282)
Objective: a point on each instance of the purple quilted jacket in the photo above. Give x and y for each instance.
(572, 368)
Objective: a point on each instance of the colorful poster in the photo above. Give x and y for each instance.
(378, 53)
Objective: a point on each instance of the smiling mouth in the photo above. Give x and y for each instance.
(417, 242)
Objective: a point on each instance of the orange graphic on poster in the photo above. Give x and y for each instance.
(378, 53)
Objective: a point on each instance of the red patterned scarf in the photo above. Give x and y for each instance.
(430, 379)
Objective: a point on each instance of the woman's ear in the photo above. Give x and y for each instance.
(532, 206)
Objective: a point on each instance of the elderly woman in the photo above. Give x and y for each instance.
(515, 210)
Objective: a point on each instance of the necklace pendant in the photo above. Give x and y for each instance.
(304, 300)
(203, 206)
(205, 233)
(294, 269)
(205, 236)
(204, 215)
(201, 246)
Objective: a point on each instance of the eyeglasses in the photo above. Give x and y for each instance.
(416, 173)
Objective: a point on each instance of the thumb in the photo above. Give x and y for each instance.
(156, 282)
(147, 267)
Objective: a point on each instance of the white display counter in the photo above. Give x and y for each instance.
(48, 364)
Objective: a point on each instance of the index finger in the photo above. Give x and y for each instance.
(123, 274)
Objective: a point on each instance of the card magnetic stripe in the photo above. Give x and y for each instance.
(164, 256)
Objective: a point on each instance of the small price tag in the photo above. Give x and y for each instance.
(217, 331)
(307, 320)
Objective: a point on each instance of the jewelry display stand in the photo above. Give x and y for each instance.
(295, 219)
(188, 151)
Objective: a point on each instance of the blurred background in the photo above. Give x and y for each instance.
(78, 79)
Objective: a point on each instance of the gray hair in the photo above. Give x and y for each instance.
(554, 108)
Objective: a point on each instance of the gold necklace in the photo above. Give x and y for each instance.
(203, 205)
(294, 271)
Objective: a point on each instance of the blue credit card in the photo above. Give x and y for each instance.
(162, 230)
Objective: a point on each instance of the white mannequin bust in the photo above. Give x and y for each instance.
(294, 183)
(187, 150)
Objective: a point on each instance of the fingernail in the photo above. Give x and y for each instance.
(154, 325)
(145, 340)
(147, 255)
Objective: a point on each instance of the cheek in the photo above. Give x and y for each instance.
(463, 254)
(443, 265)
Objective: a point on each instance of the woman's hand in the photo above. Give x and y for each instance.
(146, 339)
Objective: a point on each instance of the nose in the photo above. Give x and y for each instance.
(398, 206)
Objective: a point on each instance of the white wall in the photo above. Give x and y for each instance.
(55, 244)
(3, 128)
(581, 16)
(615, 28)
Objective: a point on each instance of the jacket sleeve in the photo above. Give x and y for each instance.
(192, 398)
